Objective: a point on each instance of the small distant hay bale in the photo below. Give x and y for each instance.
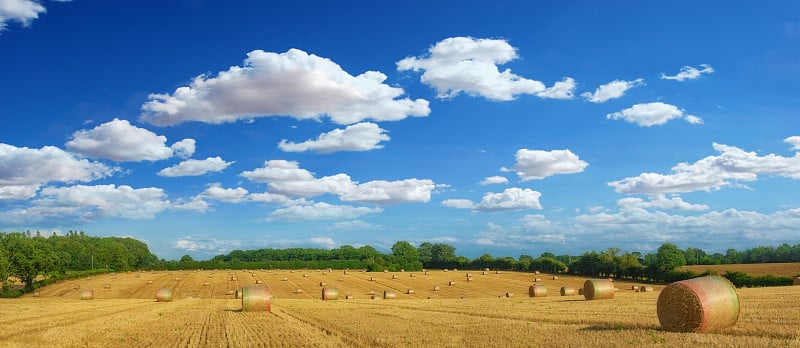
(634, 287)
(411, 275)
(177, 279)
(445, 269)
(238, 294)
(509, 294)
(486, 269)
(468, 275)
(371, 292)
(206, 284)
(470, 279)
(616, 289)
(451, 283)
(497, 272)
(386, 271)
(372, 279)
(107, 286)
(646, 288)
(339, 279)
(389, 294)
(598, 289)
(211, 276)
(330, 294)
(436, 288)
(259, 281)
(348, 297)
(555, 277)
(86, 295)
(402, 270)
(394, 276)
(305, 275)
(322, 283)
(345, 272)
(537, 279)
(455, 269)
(149, 282)
(425, 273)
(484, 273)
(284, 279)
(229, 292)
(796, 281)
(88, 278)
(567, 291)
(137, 275)
(291, 271)
(233, 279)
(537, 290)
(536, 272)
(410, 291)
(298, 291)
(256, 299)
(164, 295)
(698, 305)
(373, 297)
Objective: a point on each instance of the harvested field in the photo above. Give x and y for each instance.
(790, 269)
(769, 316)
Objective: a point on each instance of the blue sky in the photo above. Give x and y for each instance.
(509, 128)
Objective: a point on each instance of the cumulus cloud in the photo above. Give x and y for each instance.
(352, 225)
(294, 83)
(22, 11)
(794, 141)
(493, 180)
(23, 170)
(689, 73)
(459, 203)
(120, 141)
(652, 114)
(533, 230)
(538, 164)
(288, 179)
(325, 242)
(203, 244)
(513, 198)
(195, 167)
(611, 90)
(713, 172)
(230, 195)
(363, 136)
(464, 64)
(320, 211)
(659, 201)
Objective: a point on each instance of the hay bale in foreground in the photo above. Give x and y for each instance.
(256, 299)
(537, 290)
(164, 295)
(389, 294)
(598, 289)
(330, 294)
(698, 305)
(796, 281)
(646, 288)
(567, 291)
(86, 295)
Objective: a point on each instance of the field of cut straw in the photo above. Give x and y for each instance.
(789, 269)
(468, 314)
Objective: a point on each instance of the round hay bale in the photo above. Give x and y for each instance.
(484, 273)
(107, 286)
(259, 281)
(411, 275)
(389, 294)
(386, 271)
(567, 291)
(468, 275)
(555, 277)
(451, 283)
(372, 279)
(796, 281)
(455, 269)
(497, 272)
(298, 291)
(284, 279)
(537, 290)
(348, 297)
(305, 275)
(646, 288)
(634, 287)
(330, 294)
(238, 294)
(88, 278)
(164, 295)
(509, 294)
(149, 282)
(371, 292)
(394, 276)
(537, 279)
(373, 297)
(698, 305)
(425, 273)
(486, 269)
(322, 283)
(345, 272)
(256, 299)
(580, 291)
(206, 284)
(229, 292)
(402, 270)
(177, 279)
(445, 269)
(598, 289)
(410, 291)
(233, 279)
(435, 288)
(470, 279)
(86, 295)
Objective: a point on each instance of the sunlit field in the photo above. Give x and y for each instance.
(476, 313)
(789, 269)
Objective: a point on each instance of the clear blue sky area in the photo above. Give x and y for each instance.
(500, 127)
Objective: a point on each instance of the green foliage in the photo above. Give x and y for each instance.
(741, 279)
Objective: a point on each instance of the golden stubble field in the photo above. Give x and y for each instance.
(787, 269)
(467, 314)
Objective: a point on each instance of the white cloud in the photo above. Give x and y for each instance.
(195, 167)
(538, 164)
(465, 64)
(352, 225)
(794, 141)
(325, 242)
(459, 203)
(612, 90)
(293, 83)
(652, 114)
(535, 230)
(23, 170)
(118, 140)
(712, 172)
(492, 180)
(363, 136)
(230, 195)
(288, 179)
(511, 199)
(659, 201)
(203, 244)
(22, 11)
(689, 73)
(320, 211)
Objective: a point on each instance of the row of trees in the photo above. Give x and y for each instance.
(26, 255)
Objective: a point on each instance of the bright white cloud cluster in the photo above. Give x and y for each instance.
(363, 136)
(493, 180)
(538, 164)
(611, 90)
(513, 198)
(464, 64)
(689, 73)
(23, 170)
(294, 83)
(213, 245)
(659, 201)
(22, 11)
(193, 167)
(535, 230)
(794, 141)
(712, 172)
(120, 141)
(653, 114)
(288, 179)
(229, 195)
(320, 211)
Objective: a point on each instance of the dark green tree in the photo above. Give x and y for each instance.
(406, 256)
(425, 251)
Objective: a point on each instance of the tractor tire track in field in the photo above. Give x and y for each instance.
(352, 339)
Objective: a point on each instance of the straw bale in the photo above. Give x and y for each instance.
(555, 277)
(322, 283)
(107, 286)
(330, 294)
(509, 294)
(284, 279)
(298, 291)
(256, 298)
(580, 291)
(536, 272)
(410, 291)
(149, 282)
(634, 287)
(598, 289)
(567, 291)
(259, 281)
(435, 288)
(389, 294)
(537, 279)
(451, 283)
(645, 288)
(164, 295)
(698, 305)
(537, 290)
(348, 297)
(86, 295)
